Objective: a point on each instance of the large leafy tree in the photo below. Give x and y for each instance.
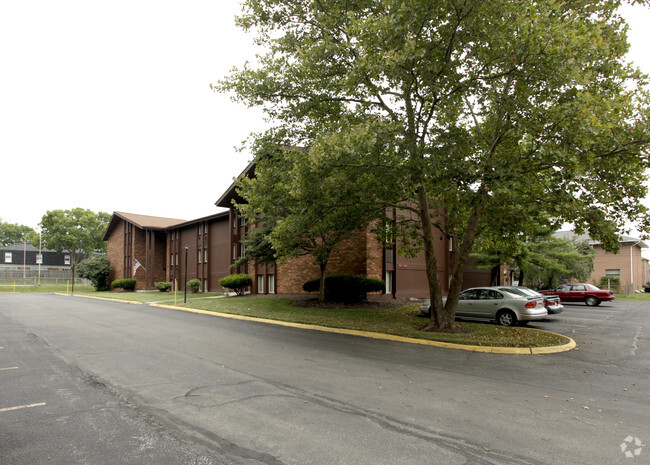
(481, 112)
(301, 205)
(79, 231)
(540, 260)
(15, 233)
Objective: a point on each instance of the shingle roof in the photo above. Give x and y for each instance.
(141, 221)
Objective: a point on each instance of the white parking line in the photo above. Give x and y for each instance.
(8, 368)
(18, 407)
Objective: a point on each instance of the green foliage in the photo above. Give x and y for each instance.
(542, 260)
(236, 282)
(194, 285)
(163, 286)
(346, 287)
(78, 231)
(126, 284)
(96, 268)
(610, 282)
(11, 234)
(257, 246)
(473, 118)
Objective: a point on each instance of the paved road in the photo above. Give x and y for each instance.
(136, 385)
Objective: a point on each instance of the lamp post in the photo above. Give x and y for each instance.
(185, 286)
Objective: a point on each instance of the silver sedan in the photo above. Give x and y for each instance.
(506, 308)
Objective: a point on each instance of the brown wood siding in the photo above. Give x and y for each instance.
(218, 252)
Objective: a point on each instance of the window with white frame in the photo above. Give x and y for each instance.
(612, 272)
(260, 284)
(8, 257)
(205, 255)
(66, 259)
(39, 258)
(271, 279)
(389, 282)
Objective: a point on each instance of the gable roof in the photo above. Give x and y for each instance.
(231, 193)
(140, 221)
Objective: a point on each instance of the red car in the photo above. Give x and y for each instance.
(587, 293)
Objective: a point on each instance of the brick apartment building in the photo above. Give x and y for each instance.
(177, 250)
(628, 264)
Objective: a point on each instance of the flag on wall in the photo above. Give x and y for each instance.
(137, 265)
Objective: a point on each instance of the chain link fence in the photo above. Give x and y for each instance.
(18, 276)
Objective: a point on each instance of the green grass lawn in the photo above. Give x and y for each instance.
(403, 321)
(642, 296)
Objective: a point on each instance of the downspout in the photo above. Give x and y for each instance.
(631, 266)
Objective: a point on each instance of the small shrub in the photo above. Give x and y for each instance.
(236, 282)
(194, 285)
(163, 286)
(610, 282)
(126, 284)
(346, 287)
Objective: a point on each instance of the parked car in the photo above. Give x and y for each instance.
(552, 303)
(507, 308)
(587, 293)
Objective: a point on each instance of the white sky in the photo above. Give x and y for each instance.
(107, 105)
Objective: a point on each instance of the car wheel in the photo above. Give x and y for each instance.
(591, 300)
(506, 318)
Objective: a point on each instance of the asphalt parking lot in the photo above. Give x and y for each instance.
(91, 382)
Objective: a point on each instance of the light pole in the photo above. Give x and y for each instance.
(185, 286)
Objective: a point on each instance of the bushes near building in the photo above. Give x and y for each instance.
(125, 284)
(163, 286)
(237, 282)
(194, 285)
(346, 287)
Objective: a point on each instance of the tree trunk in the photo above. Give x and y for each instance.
(321, 287)
(456, 285)
(73, 269)
(438, 320)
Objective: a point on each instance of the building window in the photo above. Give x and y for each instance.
(39, 258)
(234, 251)
(389, 255)
(271, 284)
(198, 255)
(66, 259)
(8, 257)
(205, 284)
(242, 247)
(205, 255)
(260, 284)
(199, 229)
(612, 272)
(171, 260)
(389, 282)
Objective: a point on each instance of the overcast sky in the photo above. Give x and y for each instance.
(107, 105)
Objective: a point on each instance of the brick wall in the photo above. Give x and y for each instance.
(349, 257)
(115, 252)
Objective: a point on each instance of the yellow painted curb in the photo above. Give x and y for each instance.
(389, 337)
(133, 302)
